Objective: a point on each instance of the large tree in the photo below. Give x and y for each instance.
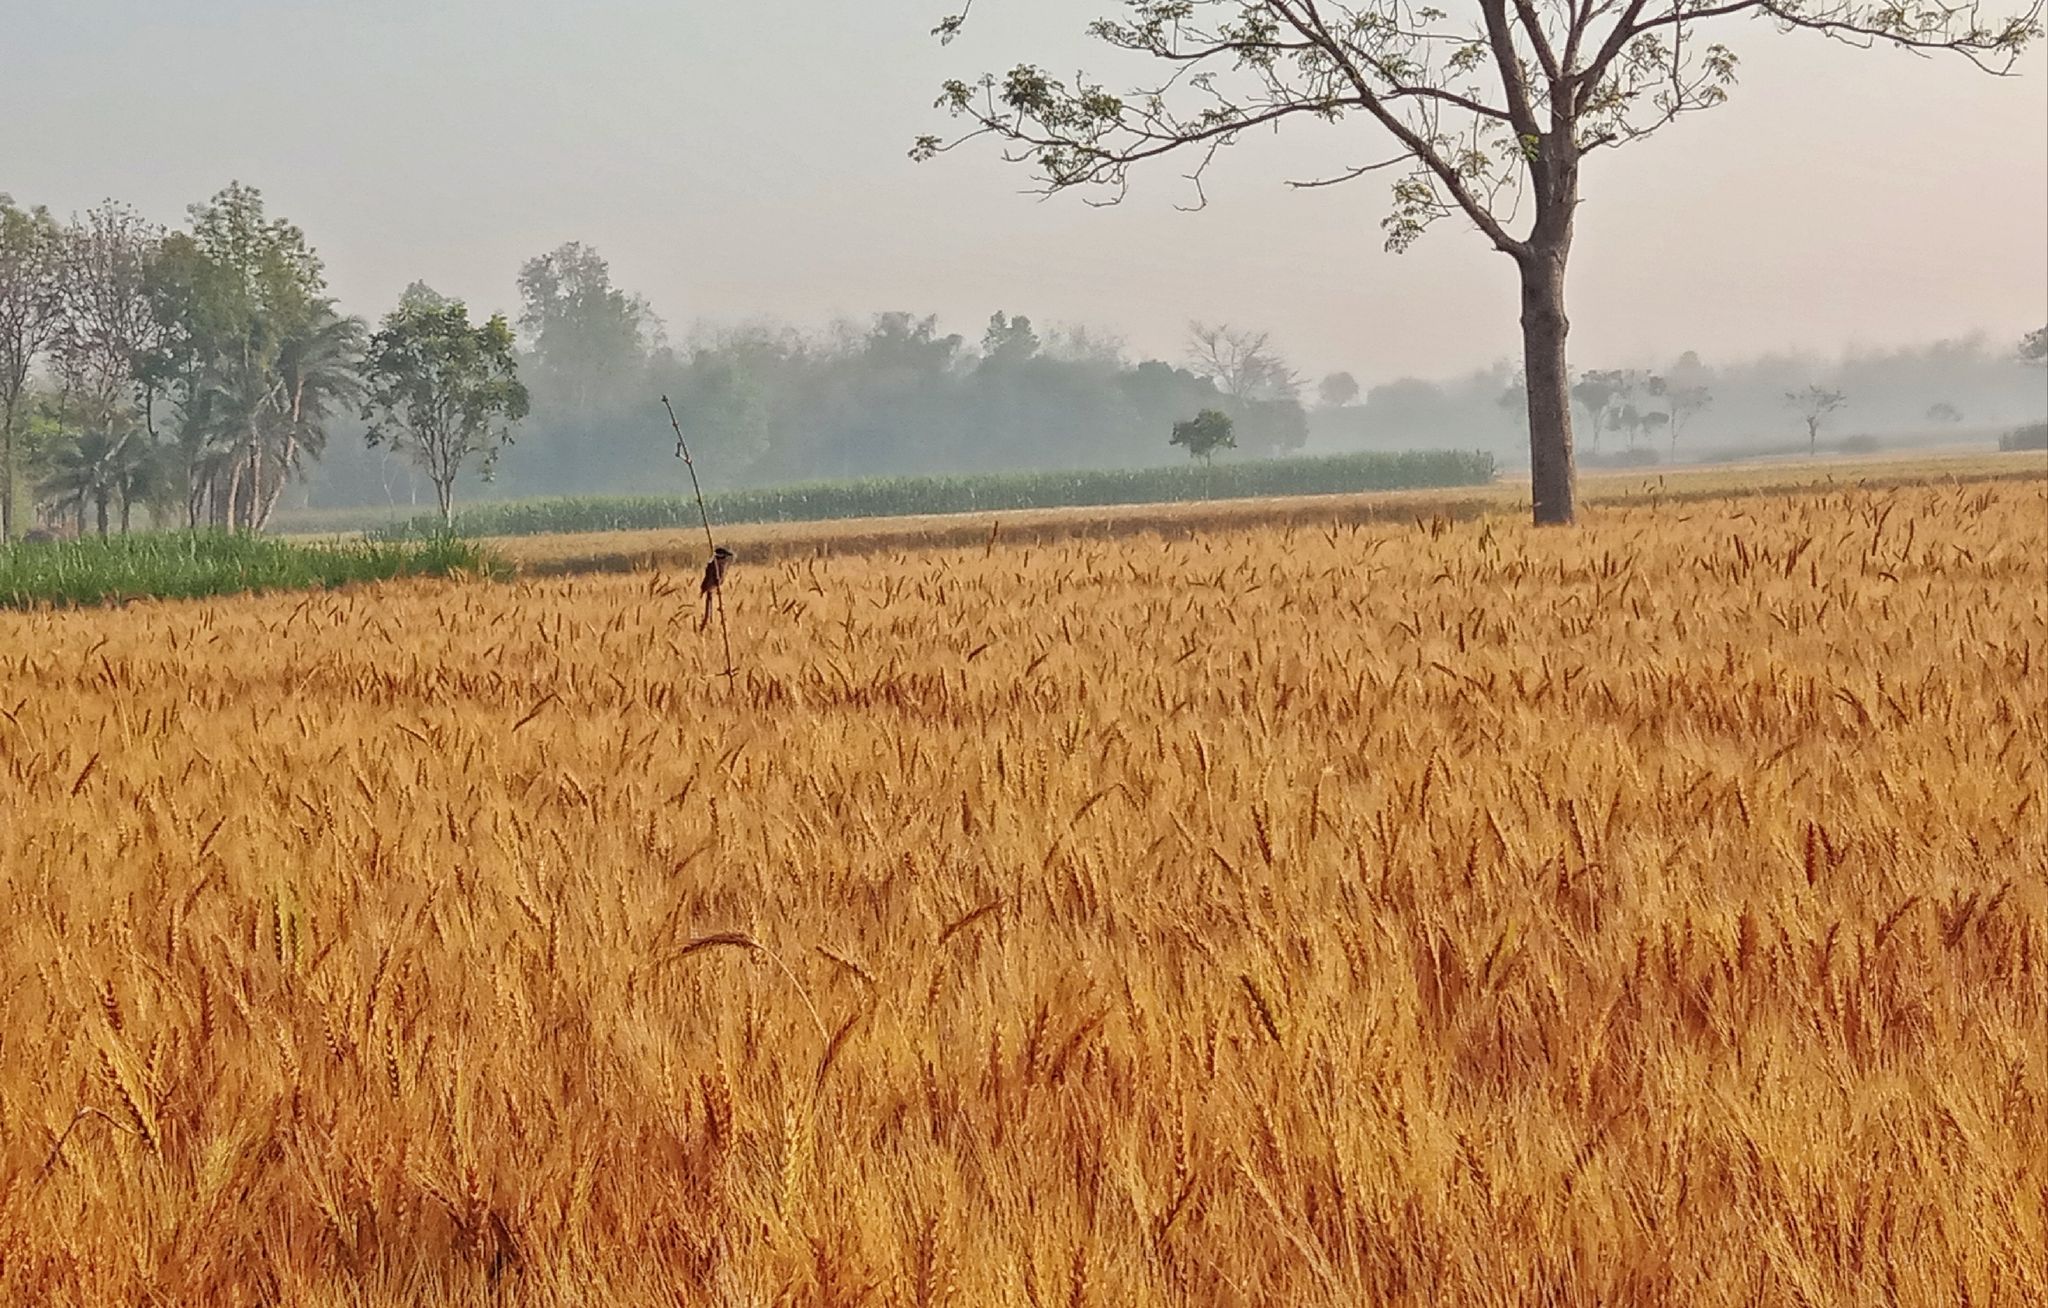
(588, 337)
(318, 372)
(111, 332)
(32, 320)
(1488, 113)
(241, 289)
(442, 390)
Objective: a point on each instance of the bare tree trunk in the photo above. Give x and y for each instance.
(275, 491)
(245, 502)
(234, 500)
(1552, 469)
(444, 491)
(99, 504)
(7, 473)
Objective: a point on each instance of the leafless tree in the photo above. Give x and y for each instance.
(110, 324)
(1243, 364)
(1813, 405)
(1686, 403)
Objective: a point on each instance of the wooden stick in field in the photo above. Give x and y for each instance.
(717, 591)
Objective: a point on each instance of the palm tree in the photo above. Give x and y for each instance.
(265, 406)
(143, 477)
(225, 448)
(317, 373)
(94, 468)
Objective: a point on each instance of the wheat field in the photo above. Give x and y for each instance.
(1443, 913)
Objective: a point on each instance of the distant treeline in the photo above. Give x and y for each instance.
(204, 376)
(898, 496)
(894, 396)
(1691, 409)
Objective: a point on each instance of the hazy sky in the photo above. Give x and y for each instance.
(747, 160)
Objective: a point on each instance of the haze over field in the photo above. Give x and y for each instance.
(738, 162)
(623, 693)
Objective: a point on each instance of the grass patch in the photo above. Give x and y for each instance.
(190, 565)
(893, 497)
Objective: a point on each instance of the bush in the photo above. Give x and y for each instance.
(2033, 436)
(900, 496)
(1860, 445)
(187, 565)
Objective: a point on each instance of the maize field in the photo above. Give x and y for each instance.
(1652, 912)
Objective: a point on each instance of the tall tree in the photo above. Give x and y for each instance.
(318, 368)
(111, 332)
(1488, 121)
(442, 390)
(248, 284)
(32, 319)
(111, 326)
(588, 336)
(1337, 390)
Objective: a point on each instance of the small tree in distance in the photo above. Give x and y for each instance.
(1337, 390)
(1243, 364)
(2034, 346)
(1813, 405)
(1204, 434)
(442, 390)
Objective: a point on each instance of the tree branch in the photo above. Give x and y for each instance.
(1309, 20)
(1508, 62)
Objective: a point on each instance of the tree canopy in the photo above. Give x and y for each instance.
(442, 391)
(1484, 111)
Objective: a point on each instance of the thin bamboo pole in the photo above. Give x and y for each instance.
(717, 592)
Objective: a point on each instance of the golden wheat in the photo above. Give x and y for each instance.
(1315, 914)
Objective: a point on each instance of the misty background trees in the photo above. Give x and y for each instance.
(204, 376)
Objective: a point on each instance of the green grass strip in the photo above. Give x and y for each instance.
(890, 497)
(190, 565)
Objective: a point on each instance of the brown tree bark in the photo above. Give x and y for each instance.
(228, 513)
(254, 490)
(1541, 259)
(1552, 466)
(7, 476)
